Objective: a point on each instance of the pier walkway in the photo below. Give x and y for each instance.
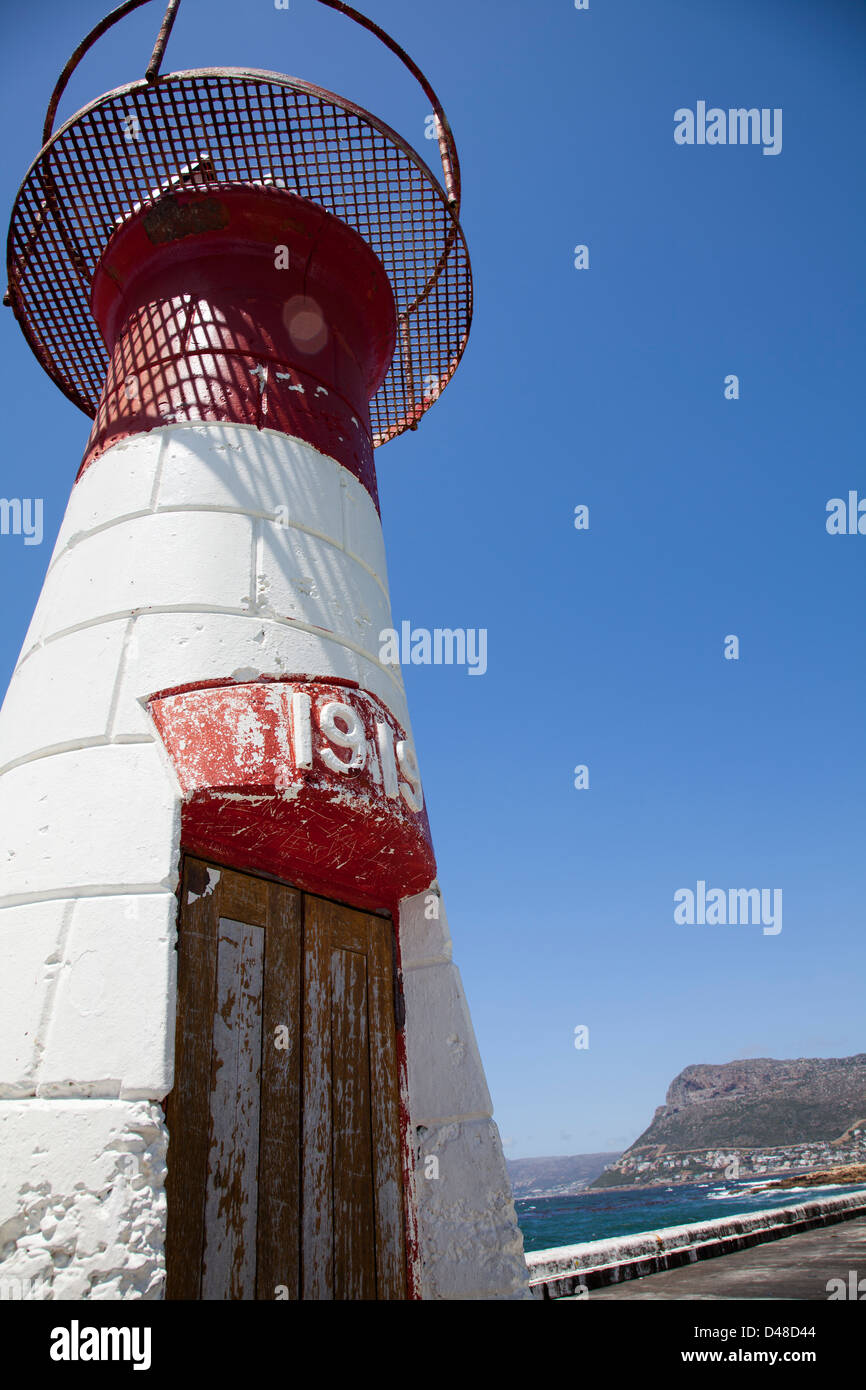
(795, 1267)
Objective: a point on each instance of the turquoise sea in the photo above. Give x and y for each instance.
(550, 1221)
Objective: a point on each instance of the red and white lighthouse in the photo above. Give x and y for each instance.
(237, 1059)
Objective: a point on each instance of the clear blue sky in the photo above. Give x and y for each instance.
(707, 516)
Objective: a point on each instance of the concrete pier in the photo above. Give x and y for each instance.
(815, 1266)
(609, 1267)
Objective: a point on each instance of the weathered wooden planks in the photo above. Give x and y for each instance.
(353, 1245)
(231, 1195)
(187, 1105)
(317, 1200)
(284, 1157)
(280, 1138)
(385, 1116)
(352, 1173)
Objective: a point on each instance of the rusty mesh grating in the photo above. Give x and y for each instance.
(232, 125)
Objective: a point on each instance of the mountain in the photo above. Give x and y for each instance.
(556, 1176)
(760, 1102)
(757, 1112)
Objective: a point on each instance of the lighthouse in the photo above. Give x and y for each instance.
(237, 1060)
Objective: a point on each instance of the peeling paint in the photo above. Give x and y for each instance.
(306, 801)
(213, 878)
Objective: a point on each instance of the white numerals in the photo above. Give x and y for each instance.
(385, 741)
(302, 737)
(392, 766)
(412, 794)
(353, 736)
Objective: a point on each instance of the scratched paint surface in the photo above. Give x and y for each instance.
(247, 802)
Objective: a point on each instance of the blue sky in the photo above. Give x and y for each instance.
(707, 516)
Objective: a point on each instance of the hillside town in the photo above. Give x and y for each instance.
(650, 1166)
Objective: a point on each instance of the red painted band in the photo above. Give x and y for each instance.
(247, 305)
(249, 801)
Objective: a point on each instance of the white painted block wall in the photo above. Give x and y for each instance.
(191, 553)
(470, 1243)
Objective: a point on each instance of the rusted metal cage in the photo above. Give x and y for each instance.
(139, 142)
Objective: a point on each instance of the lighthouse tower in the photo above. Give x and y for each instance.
(236, 1060)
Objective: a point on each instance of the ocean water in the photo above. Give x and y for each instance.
(550, 1221)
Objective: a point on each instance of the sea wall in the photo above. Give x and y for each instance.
(570, 1269)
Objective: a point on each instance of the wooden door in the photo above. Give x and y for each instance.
(284, 1174)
